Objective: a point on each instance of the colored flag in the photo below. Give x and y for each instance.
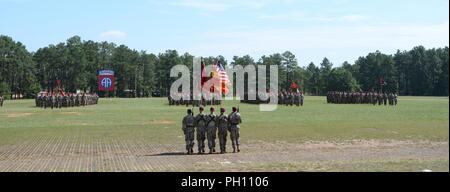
(106, 80)
(221, 79)
(294, 85)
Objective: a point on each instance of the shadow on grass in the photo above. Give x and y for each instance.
(168, 154)
(178, 154)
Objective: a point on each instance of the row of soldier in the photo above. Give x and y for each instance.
(373, 98)
(60, 100)
(210, 126)
(194, 103)
(284, 98)
(291, 98)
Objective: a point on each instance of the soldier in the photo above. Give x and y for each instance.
(77, 100)
(60, 101)
(235, 120)
(280, 97)
(83, 100)
(53, 100)
(36, 100)
(395, 99)
(72, 100)
(302, 99)
(222, 125)
(297, 99)
(200, 123)
(390, 99)
(380, 98)
(1, 101)
(385, 97)
(66, 101)
(211, 130)
(188, 130)
(374, 98)
(169, 99)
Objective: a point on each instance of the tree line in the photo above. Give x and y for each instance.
(75, 63)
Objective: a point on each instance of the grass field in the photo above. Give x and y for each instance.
(145, 135)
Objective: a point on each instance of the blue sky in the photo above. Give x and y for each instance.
(341, 30)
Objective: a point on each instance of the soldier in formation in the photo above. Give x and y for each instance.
(291, 98)
(211, 130)
(209, 127)
(189, 130)
(200, 124)
(222, 125)
(1, 100)
(60, 100)
(204, 101)
(235, 120)
(374, 98)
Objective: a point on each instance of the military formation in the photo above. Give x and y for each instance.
(291, 98)
(60, 100)
(1, 100)
(373, 98)
(284, 98)
(207, 127)
(195, 103)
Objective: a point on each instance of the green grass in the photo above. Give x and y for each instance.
(415, 118)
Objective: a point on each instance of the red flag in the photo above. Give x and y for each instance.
(294, 85)
(106, 80)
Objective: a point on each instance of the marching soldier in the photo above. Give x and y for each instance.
(395, 99)
(189, 130)
(297, 99)
(200, 123)
(60, 101)
(1, 101)
(222, 125)
(302, 99)
(211, 130)
(235, 120)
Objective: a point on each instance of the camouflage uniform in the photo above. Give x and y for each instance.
(302, 99)
(189, 131)
(60, 101)
(211, 130)
(222, 125)
(201, 131)
(395, 99)
(235, 120)
(297, 99)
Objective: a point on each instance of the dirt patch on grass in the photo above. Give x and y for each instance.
(159, 122)
(70, 113)
(17, 115)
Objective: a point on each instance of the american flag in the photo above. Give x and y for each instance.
(222, 78)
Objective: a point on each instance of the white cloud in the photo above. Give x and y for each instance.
(113, 34)
(300, 16)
